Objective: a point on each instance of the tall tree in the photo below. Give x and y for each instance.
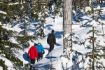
(67, 24)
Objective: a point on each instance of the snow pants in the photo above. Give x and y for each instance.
(32, 62)
(40, 56)
(51, 47)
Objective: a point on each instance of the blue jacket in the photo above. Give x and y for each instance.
(40, 48)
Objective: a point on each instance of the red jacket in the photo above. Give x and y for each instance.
(33, 53)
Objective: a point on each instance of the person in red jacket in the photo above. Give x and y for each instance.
(33, 54)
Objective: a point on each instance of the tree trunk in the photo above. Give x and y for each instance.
(93, 40)
(67, 21)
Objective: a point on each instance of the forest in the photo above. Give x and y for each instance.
(79, 31)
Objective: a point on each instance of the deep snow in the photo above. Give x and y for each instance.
(78, 59)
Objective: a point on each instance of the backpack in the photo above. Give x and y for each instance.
(51, 39)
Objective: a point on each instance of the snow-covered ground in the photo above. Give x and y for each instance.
(1, 68)
(57, 26)
(57, 60)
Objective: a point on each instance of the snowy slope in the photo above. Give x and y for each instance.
(58, 62)
(78, 59)
(56, 25)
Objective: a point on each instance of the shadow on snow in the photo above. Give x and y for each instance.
(58, 34)
(48, 27)
(43, 66)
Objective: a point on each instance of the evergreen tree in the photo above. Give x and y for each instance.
(6, 45)
(22, 12)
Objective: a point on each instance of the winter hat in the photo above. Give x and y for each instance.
(52, 31)
(35, 44)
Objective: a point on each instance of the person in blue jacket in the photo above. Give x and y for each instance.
(40, 50)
